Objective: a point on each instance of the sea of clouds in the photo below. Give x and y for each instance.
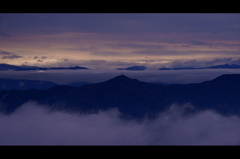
(33, 124)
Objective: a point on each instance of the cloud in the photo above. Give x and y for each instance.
(135, 46)
(44, 57)
(204, 63)
(65, 60)
(53, 23)
(94, 76)
(104, 53)
(9, 55)
(4, 52)
(33, 124)
(3, 34)
(196, 42)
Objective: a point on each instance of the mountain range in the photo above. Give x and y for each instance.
(225, 66)
(133, 98)
(28, 68)
(4, 67)
(24, 84)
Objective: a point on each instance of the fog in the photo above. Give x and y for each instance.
(94, 76)
(33, 124)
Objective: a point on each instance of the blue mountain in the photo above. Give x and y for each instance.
(225, 66)
(133, 98)
(233, 66)
(22, 84)
(28, 68)
(78, 84)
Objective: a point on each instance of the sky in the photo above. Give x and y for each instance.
(106, 41)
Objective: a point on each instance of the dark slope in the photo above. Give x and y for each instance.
(221, 94)
(132, 97)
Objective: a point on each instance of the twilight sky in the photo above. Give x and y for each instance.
(110, 41)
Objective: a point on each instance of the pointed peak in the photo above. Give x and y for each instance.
(121, 77)
(228, 78)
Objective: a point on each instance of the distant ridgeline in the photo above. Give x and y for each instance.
(133, 98)
(134, 68)
(4, 67)
(28, 68)
(24, 84)
(225, 66)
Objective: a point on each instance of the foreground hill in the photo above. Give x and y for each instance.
(132, 97)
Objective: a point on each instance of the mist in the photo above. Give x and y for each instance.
(34, 124)
(95, 76)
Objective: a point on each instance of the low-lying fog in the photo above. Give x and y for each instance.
(32, 124)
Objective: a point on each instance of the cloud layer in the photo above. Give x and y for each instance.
(8, 55)
(149, 39)
(35, 125)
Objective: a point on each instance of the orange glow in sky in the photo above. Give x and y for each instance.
(146, 46)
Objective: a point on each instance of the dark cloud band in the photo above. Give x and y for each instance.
(9, 55)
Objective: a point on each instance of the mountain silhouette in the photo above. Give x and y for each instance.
(5, 67)
(22, 84)
(233, 66)
(225, 66)
(132, 97)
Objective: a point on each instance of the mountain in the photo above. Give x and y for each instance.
(134, 68)
(225, 66)
(78, 84)
(133, 98)
(28, 68)
(22, 84)
(233, 66)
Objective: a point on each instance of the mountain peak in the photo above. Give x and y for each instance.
(121, 79)
(228, 78)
